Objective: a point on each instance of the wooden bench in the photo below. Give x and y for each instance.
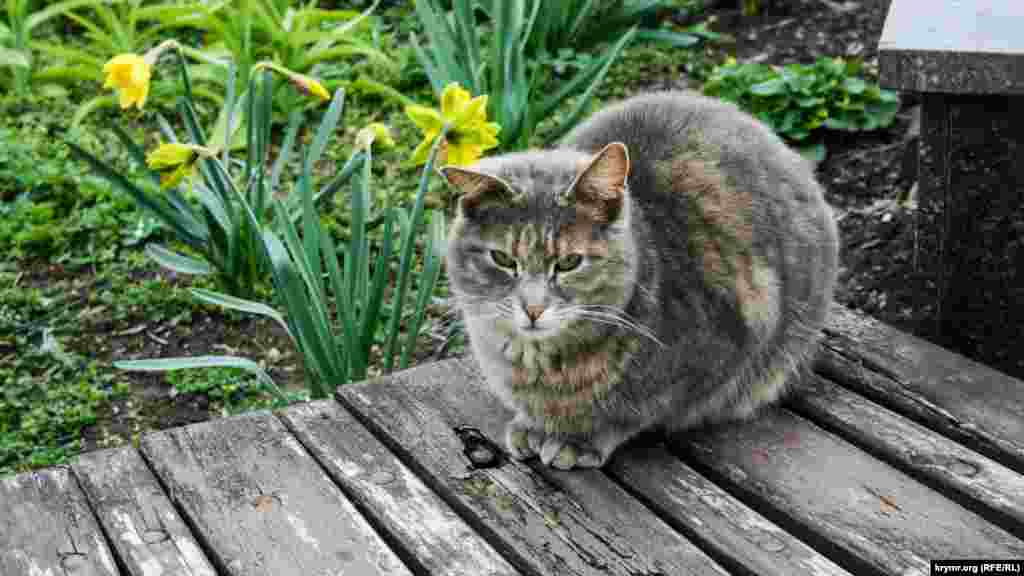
(965, 58)
(892, 454)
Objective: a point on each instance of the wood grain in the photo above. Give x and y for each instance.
(145, 530)
(46, 528)
(870, 517)
(969, 402)
(587, 525)
(431, 532)
(917, 450)
(737, 534)
(261, 504)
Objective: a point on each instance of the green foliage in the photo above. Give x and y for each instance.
(309, 278)
(49, 208)
(16, 36)
(230, 390)
(797, 99)
(583, 25)
(516, 89)
(125, 26)
(297, 38)
(48, 397)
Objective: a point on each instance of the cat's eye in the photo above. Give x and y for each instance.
(568, 262)
(502, 259)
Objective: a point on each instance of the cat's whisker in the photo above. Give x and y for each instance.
(610, 315)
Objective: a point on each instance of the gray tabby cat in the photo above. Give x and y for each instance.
(669, 265)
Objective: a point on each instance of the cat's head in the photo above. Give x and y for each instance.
(541, 239)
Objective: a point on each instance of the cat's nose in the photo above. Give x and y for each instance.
(534, 312)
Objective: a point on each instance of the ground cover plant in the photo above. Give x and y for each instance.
(79, 293)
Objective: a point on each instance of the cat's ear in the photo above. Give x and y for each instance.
(600, 188)
(475, 188)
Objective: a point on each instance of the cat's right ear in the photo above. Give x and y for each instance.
(476, 188)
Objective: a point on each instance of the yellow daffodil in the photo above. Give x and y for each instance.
(374, 133)
(469, 133)
(175, 161)
(130, 74)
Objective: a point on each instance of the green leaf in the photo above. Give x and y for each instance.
(184, 363)
(13, 58)
(676, 39)
(240, 304)
(406, 261)
(327, 126)
(854, 85)
(427, 282)
(177, 262)
(40, 16)
(186, 229)
(771, 87)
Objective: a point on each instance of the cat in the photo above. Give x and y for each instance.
(669, 264)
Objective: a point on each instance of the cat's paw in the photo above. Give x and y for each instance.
(522, 441)
(567, 454)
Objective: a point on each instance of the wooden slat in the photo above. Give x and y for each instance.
(705, 511)
(145, 530)
(46, 528)
(584, 525)
(870, 517)
(440, 542)
(969, 402)
(917, 450)
(261, 504)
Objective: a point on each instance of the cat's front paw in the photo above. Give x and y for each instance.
(522, 440)
(566, 454)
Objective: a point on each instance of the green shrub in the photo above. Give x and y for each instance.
(797, 99)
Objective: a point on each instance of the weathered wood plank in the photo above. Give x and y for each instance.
(969, 402)
(47, 528)
(586, 525)
(917, 450)
(261, 504)
(145, 530)
(440, 542)
(737, 534)
(872, 518)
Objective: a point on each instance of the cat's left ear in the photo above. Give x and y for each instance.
(600, 189)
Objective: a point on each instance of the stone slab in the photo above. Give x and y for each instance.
(953, 46)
